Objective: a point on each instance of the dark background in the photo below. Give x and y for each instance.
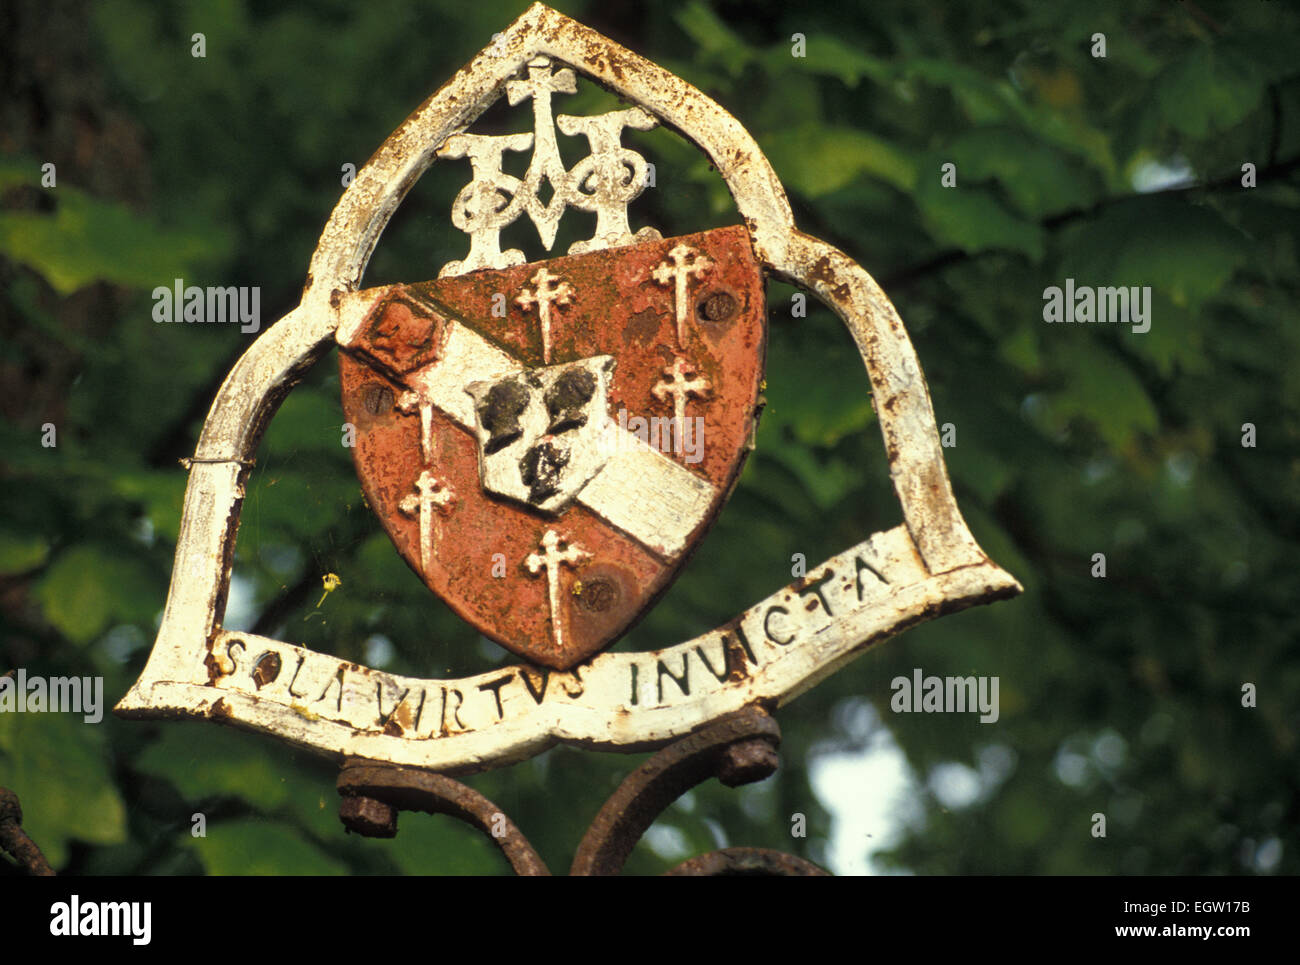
(1119, 695)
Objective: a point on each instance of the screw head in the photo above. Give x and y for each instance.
(745, 762)
(718, 306)
(369, 817)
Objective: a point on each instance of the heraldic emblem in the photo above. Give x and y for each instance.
(546, 441)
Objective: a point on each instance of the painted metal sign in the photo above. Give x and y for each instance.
(576, 437)
(504, 414)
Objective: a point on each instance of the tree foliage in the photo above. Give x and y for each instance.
(1120, 695)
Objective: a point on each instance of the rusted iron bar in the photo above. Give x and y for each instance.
(14, 839)
(373, 793)
(740, 748)
(751, 862)
(737, 749)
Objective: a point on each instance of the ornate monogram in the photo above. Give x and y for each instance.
(603, 183)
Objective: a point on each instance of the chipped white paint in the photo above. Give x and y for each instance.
(613, 175)
(603, 183)
(556, 551)
(640, 490)
(647, 495)
(548, 290)
(432, 497)
(584, 449)
(676, 383)
(684, 261)
(784, 645)
(477, 209)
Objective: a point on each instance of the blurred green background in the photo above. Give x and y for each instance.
(1119, 695)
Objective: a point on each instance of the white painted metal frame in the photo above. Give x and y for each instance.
(779, 648)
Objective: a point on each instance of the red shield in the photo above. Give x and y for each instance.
(546, 444)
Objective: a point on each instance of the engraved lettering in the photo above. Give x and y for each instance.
(384, 718)
(455, 711)
(582, 688)
(683, 682)
(767, 625)
(495, 686)
(708, 666)
(815, 586)
(336, 679)
(861, 565)
(296, 670)
(230, 653)
(419, 711)
(744, 644)
(634, 689)
(536, 693)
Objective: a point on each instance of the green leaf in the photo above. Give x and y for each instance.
(972, 219)
(1210, 89)
(715, 39)
(88, 240)
(1101, 389)
(160, 492)
(439, 844)
(253, 846)
(1187, 251)
(21, 553)
(816, 159)
(829, 55)
(1036, 176)
(89, 585)
(989, 101)
(826, 479)
(59, 766)
(814, 396)
(205, 762)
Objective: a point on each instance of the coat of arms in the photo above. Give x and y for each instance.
(546, 441)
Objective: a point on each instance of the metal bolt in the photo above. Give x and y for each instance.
(368, 816)
(598, 595)
(376, 398)
(747, 761)
(718, 306)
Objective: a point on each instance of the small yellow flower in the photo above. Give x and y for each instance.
(331, 582)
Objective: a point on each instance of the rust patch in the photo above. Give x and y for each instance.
(616, 307)
(643, 325)
(210, 661)
(598, 595)
(266, 670)
(717, 306)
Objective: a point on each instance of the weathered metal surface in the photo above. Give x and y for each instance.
(772, 652)
(369, 789)
(738, 749)
(548, 479)
(603, 183)
(749, 862)
(14, 839)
